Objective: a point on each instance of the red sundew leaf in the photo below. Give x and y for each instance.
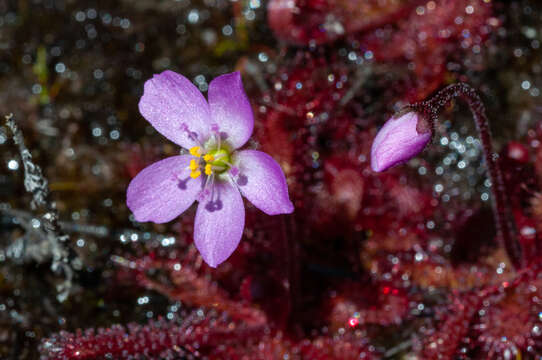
(491, 322)
(428, 37)
(139, 157)
(509, 323)
(277, 140)
(356, 306)
(517, 151)
(522, 186)
(446, 341)
(426, 269)
(158, 339)
(345, 184)
(346, 347)
(319, 21)
(519, 179)
(434, 29)
(528, 236)
(187, 285)
(424, 34)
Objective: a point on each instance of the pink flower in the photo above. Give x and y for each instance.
(399, 140)
(214, 173)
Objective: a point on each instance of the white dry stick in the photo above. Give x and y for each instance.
(53, 243)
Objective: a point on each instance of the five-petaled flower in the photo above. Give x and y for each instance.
(213, 172)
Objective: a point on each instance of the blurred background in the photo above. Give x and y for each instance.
(399, 265)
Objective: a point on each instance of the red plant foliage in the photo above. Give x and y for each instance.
(281, 293)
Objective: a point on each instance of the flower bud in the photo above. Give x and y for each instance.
(400, 139)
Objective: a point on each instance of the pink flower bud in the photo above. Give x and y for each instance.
(399, 140)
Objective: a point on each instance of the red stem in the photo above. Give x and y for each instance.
(506, 230)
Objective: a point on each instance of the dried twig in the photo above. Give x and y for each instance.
(44, 238)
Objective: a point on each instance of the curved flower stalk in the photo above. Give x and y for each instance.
(405, 136)
(214, 172)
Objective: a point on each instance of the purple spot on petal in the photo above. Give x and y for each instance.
(182, 183)
(242, 180)
(192, 135)
(214, 205)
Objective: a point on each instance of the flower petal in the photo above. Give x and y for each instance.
(219, 223)
(397, 142)
(230, 109)
(163, 190)
(262, 182)
(175, 108)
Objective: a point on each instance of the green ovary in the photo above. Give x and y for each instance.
(221, 160)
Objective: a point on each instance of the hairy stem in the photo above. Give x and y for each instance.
(431, 108)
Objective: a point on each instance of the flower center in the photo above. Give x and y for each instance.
(219, 158)
(215, 161)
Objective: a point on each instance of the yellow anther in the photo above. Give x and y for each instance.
(195, 174)
(208, 169)
(193, 165)
(208, 157)
(195, 151)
